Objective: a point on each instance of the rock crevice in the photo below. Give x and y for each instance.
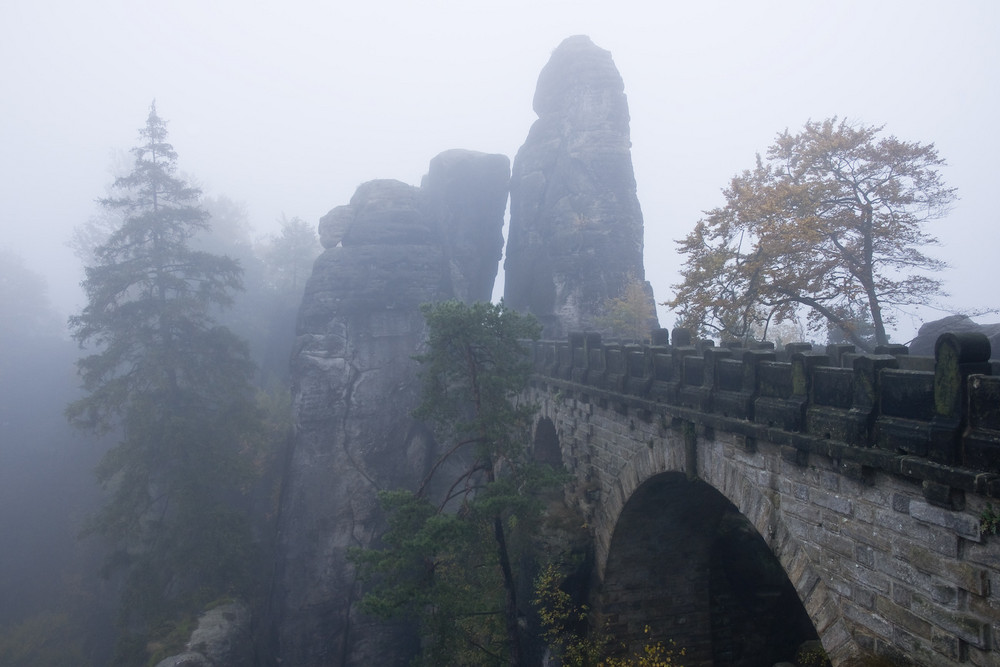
(576, 228)
(392, 248)
(575, 242)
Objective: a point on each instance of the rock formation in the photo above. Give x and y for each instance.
(575, 242)
(576, 230)
(928, 334)
(391, 249)
(222, 639)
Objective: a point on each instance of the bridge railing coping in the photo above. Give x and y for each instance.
(945, 408)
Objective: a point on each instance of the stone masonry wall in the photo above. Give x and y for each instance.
(880, 570)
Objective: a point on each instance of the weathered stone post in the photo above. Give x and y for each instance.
(982, 438)
(751, 388)
(957, 355)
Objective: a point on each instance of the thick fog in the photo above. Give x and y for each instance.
(288, 107)
(280, 110)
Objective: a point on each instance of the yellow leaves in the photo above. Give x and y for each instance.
(559, 615)
(833, 203)
(631, 315)
(651, 654)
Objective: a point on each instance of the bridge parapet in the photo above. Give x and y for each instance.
(936, 419)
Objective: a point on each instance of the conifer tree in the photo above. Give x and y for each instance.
(452, 562)
(174, 389)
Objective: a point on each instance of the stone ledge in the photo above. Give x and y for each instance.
(908, 466)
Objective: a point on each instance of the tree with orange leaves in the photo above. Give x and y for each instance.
(830, 222)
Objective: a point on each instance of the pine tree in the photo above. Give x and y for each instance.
(174, 388)
(453, 563)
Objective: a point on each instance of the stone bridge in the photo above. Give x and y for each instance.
(741, 500)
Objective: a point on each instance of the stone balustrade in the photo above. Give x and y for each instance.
(933, 418)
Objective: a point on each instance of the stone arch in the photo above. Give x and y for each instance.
(545, 446)
(655, 493)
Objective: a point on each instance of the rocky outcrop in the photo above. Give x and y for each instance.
(576, 230)
(457, 185)
(222, 639)
(928, 334)
(392, 248)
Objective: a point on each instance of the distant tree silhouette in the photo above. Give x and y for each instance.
(176, 390)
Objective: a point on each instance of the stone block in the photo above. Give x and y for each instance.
(965, 576)
(801, 492)
(799, 515)
(964, 525)
(836, 503)
(923, 469)
(795, 456)
(943, 595)
(902, 618)
(864, 598)
(866, 535)
(825, 614)
(939, 541)
(943, 495)
(904, 648)
(894, 568)
(895, 523)
(830, 481)
(864, 555)
(873, 623)
(837, 643)
(806, 586)
(981, 658)
(857, 472)
(902, 595)
(832, 542)
(864, 513)
(901, 503)
(873, 580)
(796, 565)
(946, 644)
(839, 586)
(966, 627)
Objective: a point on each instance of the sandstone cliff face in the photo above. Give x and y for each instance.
(391, 249)
(221, 639)
(576, 230)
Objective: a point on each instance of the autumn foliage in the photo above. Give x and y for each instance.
(831, 222)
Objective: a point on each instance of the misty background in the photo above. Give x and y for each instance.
(281, 111)
(287, 108)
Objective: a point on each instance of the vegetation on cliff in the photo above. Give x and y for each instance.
(631, 315)
(450, 558)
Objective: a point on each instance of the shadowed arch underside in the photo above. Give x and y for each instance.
(686, 567)
(695, 510)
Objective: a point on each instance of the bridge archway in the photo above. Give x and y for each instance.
(545, 448)
(618, 453)
(684, 563)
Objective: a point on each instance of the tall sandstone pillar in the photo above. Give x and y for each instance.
(575, 224)
(391, 249)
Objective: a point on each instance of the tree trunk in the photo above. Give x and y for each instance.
(868, 279)
(510, 611)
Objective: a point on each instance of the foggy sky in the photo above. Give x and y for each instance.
(289, 106)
